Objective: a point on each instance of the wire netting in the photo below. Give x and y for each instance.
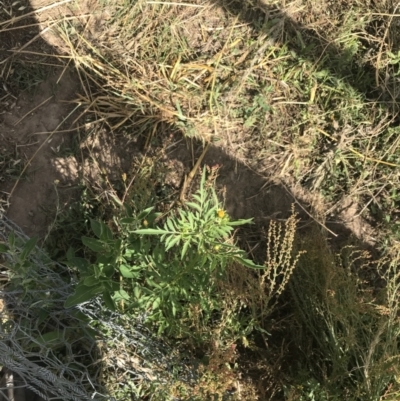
(84, 353)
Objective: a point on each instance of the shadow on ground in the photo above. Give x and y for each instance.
(311, 44)
(36, 124)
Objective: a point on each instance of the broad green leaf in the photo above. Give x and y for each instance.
(127, 272)
(104, 259)
(145, 212)
(51, 339)
(93, 244)
(111, 286)
(43, 315)
(156, 303)
(249, 263)
(134, 245)
(91, 281)
(106, 233)
(70, 254)
(3, 247)
(121, 295)
(77, 314)
(128, 210)
(96, 227)
(28, 248)
(136, 292)
(82, 294)
(128, 220)
(108, 300)
(163, 325)
(108, 270)
(152, 283)
(11, 239)
(79, 263)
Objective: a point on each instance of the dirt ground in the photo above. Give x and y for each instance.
(39, 126)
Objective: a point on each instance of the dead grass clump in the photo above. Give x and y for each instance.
(344, 329)
(144, 69)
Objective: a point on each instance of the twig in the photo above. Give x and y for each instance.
(31, 111)
(309, 214)
(189, 177)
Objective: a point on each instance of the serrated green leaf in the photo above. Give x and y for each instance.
(184, 249)
(194, 206)
(170, 225)
(222, 232)
(191, 220)
(174, 241)
(93, 244)
(211, 213)
(240, 222)
(198, 198)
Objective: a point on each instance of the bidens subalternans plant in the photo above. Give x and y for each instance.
(161, 272)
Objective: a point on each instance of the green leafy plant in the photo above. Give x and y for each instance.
(19, 270)
(166, 273)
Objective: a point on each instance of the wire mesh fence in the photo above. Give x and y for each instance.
(48, 352)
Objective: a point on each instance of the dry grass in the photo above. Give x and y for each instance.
(308, 92)
(301, 91)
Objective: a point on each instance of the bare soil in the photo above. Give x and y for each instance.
(37, 126)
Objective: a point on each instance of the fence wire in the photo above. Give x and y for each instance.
(48, 352)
